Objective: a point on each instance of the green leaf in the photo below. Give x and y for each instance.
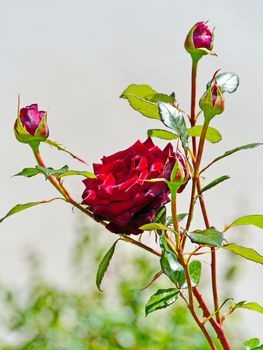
(62, 172)
(155, 226)
(169, 263)
(180, 218)
(62, 148)
(28, 172)
(174, 119)
(252, 344)
(212, 135)
(195, 268)
(161, 216)
(246, 253)
(104, 264)
(234, 150)
(87, 174)
(215, 183)
(209, 236)
(50, 171)
(255, 220)
(161, 299)
(137, 98)
(161, 98)
(250, 306)
(162, 134)
(20, 207)
(228, 81)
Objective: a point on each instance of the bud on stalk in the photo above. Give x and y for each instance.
(212, 102)
(31, 125)
(199, 41)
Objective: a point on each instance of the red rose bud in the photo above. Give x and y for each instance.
(199, 41)
(212, 102)
(120, 195)
(31, 125)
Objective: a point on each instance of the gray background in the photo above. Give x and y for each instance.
(74, 59)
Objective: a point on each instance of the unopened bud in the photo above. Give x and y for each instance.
(212, 102)
(199, 41)
(31, 125)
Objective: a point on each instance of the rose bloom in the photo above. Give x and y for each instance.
(121, 196)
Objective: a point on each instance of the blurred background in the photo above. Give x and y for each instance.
(74, 59)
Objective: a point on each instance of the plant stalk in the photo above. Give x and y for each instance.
(217, 327)
(213, 254)
(193, 99)
(59, 186)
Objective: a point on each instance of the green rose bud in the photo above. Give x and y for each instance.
(212, 102)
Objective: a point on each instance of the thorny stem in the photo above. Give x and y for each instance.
(58, 185)
(179, 250)
(180, 253)
(139, 244)
(213, 255)
(195, 176)
(193, 99)
(199, 322)
(217, 327)
(197, 156)
(175, 220)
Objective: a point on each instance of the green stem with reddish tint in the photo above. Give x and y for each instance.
(58, 185)
(193, 98)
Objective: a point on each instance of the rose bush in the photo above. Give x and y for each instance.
(121, 196)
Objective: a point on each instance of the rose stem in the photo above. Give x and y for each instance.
(200, 324)
(192, 122)
(175, 219)
(139, 244)
(193, 99)
(213, 254)
(179, 250)
(217, 327)
(216, 324)
(196, 182)
(58, 185)
(195, 176)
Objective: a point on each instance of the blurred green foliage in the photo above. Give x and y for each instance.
(82, 318)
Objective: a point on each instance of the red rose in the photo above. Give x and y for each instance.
(120, 196)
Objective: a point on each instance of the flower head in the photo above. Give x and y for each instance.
(212, 102)
(200, 40)
(31, 124)
(120, 194)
